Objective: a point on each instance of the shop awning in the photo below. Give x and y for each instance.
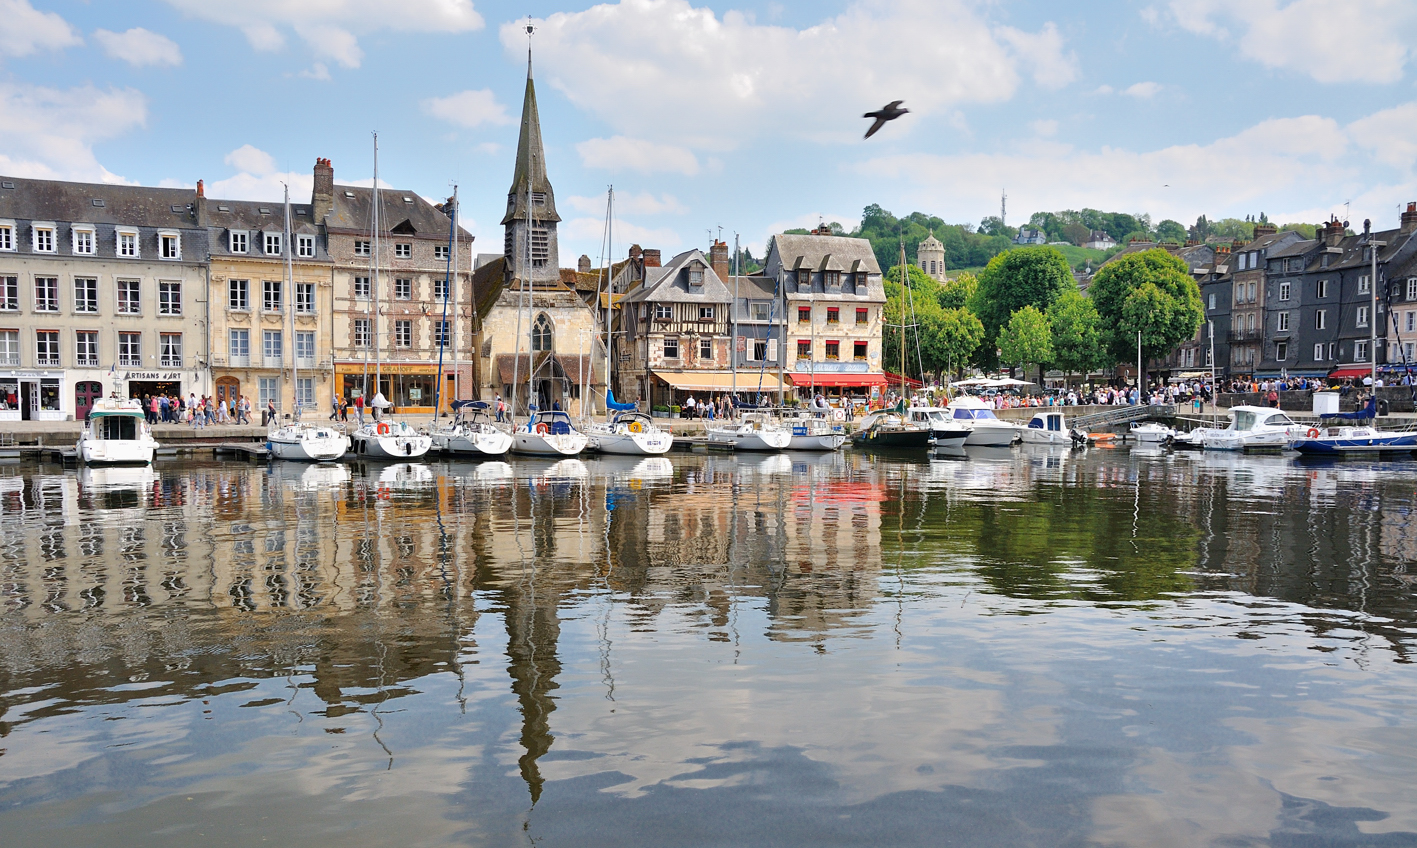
(894, 380)
(1353, 371)
(720, 381)
(838, 381)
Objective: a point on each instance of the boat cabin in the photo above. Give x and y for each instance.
(1050, 421)
(1245, 418)
(557, 423)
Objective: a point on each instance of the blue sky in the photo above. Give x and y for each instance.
(740, 115)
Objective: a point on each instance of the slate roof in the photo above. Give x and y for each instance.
(404, 211)
(133, 206)
(222, 216)
(670, 284)
(531, 164)
(1298, 248)
(795, 251)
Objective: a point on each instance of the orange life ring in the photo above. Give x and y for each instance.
(636, 427)
(383, 428)
(542, 429)
(1313, 432)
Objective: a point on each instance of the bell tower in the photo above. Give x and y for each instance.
(529, 242)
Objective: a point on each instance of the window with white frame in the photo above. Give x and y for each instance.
(43, 238)
(239, 347)
(305, 246)
(169, 297)
(361, 332)
(270, 295)
(696, 275)
(760, 310)
(1319, 352)
(1281, 351)
(272, 244)
(1360, 351)
(305, 298)
(361, 288)
(1210, 301)
(128, 244)
(1409, 321)
(305, 392)
(238, 295)
(705, 313)
(440, 289)
(46, 294)
(86, 348)
(671, 348)
(305, 348)
(130, 349)
(705, 348)
(442, 251)
(1362, 284)
(1408, 349)
(760, 349)
(1362, 316)
(663, 311)
(130, 297)
(440, 333)
(7, 235)
(46, 347)
(403, 333)
(272, 347)
(403, 288)
(268, 391)
(86, 294)
(1284, 291)
(1412, 288)
(169, 245)
(403, 251)
(239, 241)
(1321, 319)
(83, 238)
(1282, 324)
(10, 293)
(9, 347)
(361, 247)
(1321, 289)
(169, 347)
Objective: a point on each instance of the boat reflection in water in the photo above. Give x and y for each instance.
(648, 651)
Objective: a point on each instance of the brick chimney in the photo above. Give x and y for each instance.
(583, 264)
(1333, 232)
(1409, 218)
(200, 205)
(322, 196)
(822, 230)
(718, 257)
(651, 258)
(1265, 230)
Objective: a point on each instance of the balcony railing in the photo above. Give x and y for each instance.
(1246, 335)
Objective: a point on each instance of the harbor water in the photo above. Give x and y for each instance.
(1023, 647)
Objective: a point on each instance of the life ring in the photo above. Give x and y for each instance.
(636, 427)
(383, 428)
(1313, 432)
(542, 429)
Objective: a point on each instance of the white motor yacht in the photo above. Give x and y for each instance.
(757, 431)
(472, 434)
(813, 433)
(1152, 433)
(944, 431)
(1254, 428)
(985, 428)
(549, 434)
(630, 434)
(305, 442)
(1048, 427)
(117, 433)
(386, 439)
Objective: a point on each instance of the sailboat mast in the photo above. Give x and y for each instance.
(453, 293)
(289, 287)
(374, 277)
(902, 320)
(609, 291)
(443, 327)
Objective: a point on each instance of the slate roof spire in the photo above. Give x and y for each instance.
(531, 164)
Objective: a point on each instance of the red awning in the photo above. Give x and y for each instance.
(1341, 373)
(894, 380)
(838, 381)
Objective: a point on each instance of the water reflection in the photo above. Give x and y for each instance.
(914, 644)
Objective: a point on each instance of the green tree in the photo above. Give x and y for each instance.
(954, 337)
(956, 293)
(1076, 233)
(1027, 339)
(1077, 333)
(1027, 276)
(1170, 230)
(1150, 291)
(993, 225)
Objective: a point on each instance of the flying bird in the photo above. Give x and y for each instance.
(889, 112)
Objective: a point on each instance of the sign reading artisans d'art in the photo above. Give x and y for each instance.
(165, 376)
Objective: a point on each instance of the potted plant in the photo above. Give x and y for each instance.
(660, 411)
(674, 411)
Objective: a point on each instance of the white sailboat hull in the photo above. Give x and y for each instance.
(991, 435)
(390, 446)
(308, 447)
(548, 444)
(649, 443)
(117, 451)
(1034, 436)
(494, 443)
(817, 442)
(746, 439)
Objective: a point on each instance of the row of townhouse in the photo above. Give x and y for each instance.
(136, 291)
(1284, 305)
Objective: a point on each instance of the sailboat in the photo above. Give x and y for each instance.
(384, 438)
(625, 430)
(896, 427)
(297, 440)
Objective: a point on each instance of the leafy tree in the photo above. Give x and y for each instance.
(1201, 231)
(1076, 233)
(1027, 339)
(1305, 230)
(922, 284)
(1077, 333)
(1234, 228)
(1150, 291)
(1027, 276)
(956, 293)
(1170, 230)
(993, 225)
(954, 337)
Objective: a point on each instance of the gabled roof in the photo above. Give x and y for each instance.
(671, 284)
(400, 212)
(794, 251)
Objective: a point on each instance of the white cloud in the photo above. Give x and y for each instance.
(318, 71)
(713, 80)
(628, 203)
(139, 47)
(1391, 135)
(1328, 41)
(258, 179)
(621, 153)
(251, 159)
(1142, 90)
(590, 230)
(468, 108)
(1044, 127)
(24, 29)
(331, 28)
(1103, 89)
(49, 133)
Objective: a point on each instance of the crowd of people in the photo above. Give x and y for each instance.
(197, 411)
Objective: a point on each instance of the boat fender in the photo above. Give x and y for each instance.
(383, 428)
(542, 429)
(1313, 432)
(636, 427)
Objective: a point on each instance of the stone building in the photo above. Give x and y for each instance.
(930, 256)
(102, 290)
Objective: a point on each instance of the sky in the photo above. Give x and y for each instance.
(744, 115)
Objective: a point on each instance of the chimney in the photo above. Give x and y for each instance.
(1409, 218)
(322, 196)
(651, 258)
(1265, 230)
(1333, 232)
(822, 230)
(583, 264)
(200, 206)
(718, 257)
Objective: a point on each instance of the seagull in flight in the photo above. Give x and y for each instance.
(889, 112)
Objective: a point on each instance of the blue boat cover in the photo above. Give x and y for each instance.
(618, 407)
(476, 405)
(1370, 410)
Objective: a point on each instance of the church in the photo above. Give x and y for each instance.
(536, 334)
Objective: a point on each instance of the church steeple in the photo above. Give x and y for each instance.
(530, 165)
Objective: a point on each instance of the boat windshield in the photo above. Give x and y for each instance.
(1244, 421)
(964, 414)
(985, 415)
(1280, 420)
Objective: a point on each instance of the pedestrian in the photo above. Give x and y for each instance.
(501, 410)
(359, 408)
(270, 415)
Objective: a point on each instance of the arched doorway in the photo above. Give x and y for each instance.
(86, 394)
(227, 388)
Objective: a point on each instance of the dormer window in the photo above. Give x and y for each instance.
(43, 238)
(128, 244)
(804, 278)
(831, 279)
(169, 244)
(240, 241)
(696, 275)
(305, 246)
(273, 244)
(83, 238)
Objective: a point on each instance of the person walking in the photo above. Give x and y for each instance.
(359, 408)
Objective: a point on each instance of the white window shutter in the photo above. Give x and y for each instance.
(772, 350)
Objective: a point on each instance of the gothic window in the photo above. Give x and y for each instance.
(541, 334)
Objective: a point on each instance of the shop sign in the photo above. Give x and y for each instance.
(152, 375)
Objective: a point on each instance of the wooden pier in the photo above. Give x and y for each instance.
(252, 451)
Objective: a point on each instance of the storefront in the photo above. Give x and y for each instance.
(854, 386)
(669, 388)
(409, 387)
(146, 384)
(32, 396)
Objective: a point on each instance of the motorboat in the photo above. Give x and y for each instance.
(757, 431)
(306, 442)
(472, 434)
(549, 433)
(1151, 433)
(117, 433)
(944, 432)
(630, 434)
(812, 432)
(1254, 428)
(1048, 427)
(890, 429)
(387, 439)
(985, 428)
(1346, 440)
